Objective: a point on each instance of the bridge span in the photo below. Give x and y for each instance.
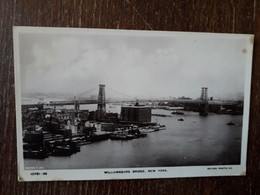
(176, 101)
(203, 103)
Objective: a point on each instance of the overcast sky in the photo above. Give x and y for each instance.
(138, 66)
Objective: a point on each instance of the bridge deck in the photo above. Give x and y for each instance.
(72, 102)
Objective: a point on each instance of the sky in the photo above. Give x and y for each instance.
(140, 65)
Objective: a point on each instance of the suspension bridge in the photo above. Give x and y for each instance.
(201, 104)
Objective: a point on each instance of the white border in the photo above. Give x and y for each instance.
(98, 174)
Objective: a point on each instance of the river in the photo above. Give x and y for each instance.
(195, 141)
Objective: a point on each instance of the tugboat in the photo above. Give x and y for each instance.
(230, 123)
(180, 119)
(62, 151)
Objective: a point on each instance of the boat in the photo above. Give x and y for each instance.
(97, 137)
(162, 127)
(177, 112)
(161, 115)
(119, 137)
(62, 151)
(141, 135)
(156, 128)
(35, 154)
(129, 136)
(180, 119)
(82, 143)
(230, 123)
(147, 130)
(136, 133)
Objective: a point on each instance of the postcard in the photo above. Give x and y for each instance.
(102, 104)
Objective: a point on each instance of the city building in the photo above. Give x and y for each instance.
(136, 113)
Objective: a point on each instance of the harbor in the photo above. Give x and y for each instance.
(197, 140)
(175, 133)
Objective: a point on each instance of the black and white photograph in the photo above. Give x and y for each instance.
(121, 104)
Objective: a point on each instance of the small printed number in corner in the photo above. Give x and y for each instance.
(38, 173)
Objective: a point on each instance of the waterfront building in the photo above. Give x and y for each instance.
(101, 106)
(33, 137)
(136, 113)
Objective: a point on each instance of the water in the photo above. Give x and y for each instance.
(195, 141)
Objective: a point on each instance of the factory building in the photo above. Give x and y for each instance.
(136, 113)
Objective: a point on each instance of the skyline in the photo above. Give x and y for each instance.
(124, 97)
(142, 66)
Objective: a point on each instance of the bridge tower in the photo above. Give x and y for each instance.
(76, 104)
(101, 106)
(204, 104)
